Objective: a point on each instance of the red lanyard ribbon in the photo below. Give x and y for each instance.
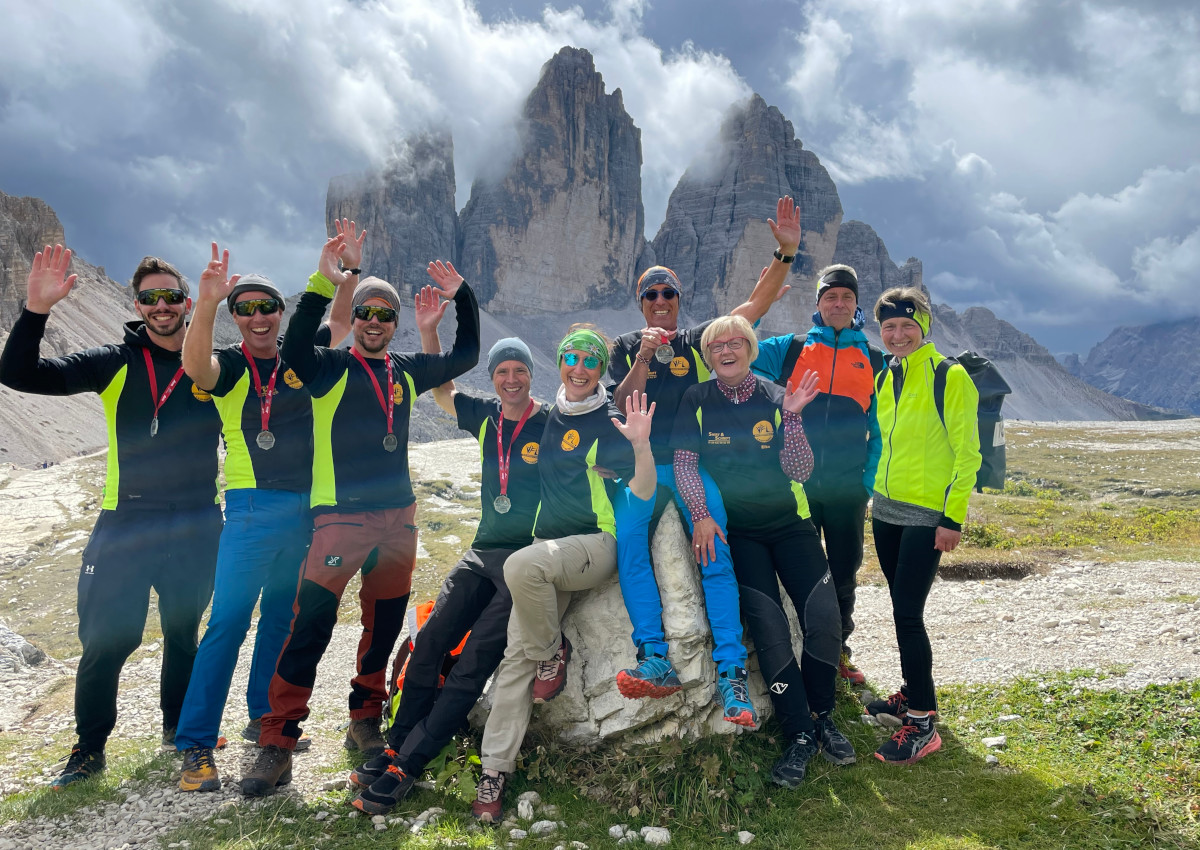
(264, 401)
(505, 457)
(387, 408)
(159, 401)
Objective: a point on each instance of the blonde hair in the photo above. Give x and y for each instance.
(723, 325)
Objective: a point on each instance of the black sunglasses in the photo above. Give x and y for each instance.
(266, 306)
(653, 294)
(366, 312)
(149, 297)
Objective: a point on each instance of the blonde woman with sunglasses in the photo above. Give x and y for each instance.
(574, 545)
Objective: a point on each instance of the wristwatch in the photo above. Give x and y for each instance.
(359, 271)
(784, 258)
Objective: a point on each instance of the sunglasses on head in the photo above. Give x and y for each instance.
(666, 294)
(571, 358)
(266, 306)
(149, 297)
(366, 312)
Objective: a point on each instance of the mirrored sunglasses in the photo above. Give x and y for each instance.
(366, 312)
(571, 358)
(266, 306)
(149, 297)
(666, 294)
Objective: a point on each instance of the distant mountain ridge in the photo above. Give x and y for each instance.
(1157, 364)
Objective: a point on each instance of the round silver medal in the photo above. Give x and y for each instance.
(502, 504)
(664, 354)
(265, 440)
(390, 442)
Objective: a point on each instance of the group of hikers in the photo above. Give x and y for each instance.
(768, 449)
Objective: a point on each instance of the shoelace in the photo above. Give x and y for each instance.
(200, 757)
(740, 690)
(903, 733)
(393, 769)
(489, 789)
(74, 761)
(896, 700)
(547, 670)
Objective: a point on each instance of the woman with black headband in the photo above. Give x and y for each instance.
(574, 546)
(927, 415)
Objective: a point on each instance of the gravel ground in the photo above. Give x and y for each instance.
(1131, 618)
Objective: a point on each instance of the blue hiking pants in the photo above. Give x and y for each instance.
(263, 544)
(640, 589)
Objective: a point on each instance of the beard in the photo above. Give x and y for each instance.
(372, 344)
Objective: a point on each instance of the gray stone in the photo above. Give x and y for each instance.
(563, 227)
(543, 827)
(745, 837)
(992, 759)
(656, 835)
(617, 831)
(998, 742)
(524, 810)
(518, 834)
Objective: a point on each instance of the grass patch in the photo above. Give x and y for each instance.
(127, 760)
(1076, 773)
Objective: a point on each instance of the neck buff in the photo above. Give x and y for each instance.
(905, 310)
(573, 408)
(587, 341)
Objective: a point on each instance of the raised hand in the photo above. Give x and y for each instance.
(215, 282)
(636, 427)
(797, 398)
(46, 284)
(429, 309)
(352, 255)
(331, 252)
(446, 277)
(786, 226)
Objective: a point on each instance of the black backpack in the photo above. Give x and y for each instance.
(992, 389)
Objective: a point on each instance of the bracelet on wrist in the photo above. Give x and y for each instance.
(353, 271)
(784, 258)
(639, 358)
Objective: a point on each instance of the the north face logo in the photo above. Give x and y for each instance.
(779, 687)
(858, 365)
(333, 560)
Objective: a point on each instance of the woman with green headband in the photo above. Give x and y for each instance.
(574, 546)
(926, 472)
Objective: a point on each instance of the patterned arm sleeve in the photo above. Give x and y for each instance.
(796, 459)
(689, 484)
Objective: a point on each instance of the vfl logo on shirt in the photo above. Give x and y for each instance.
(716, 438)
(333, 560)
(529, 452)
(763, 431)
(398, 394)
(200, 394)
(290, 378)
(680, 366)
(570, 441)
(779, 687)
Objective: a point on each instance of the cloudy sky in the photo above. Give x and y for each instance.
(1042, 159)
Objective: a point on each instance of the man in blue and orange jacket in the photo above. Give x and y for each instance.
(840, 424)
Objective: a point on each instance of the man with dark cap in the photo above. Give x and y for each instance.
(474, 595)
(267, 423)
(159, 519)
(362, 500)
(662, 361)
(841, 426)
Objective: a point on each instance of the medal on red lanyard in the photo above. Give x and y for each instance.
(159, 401)
(502, 503)
(265, 439)
(665, 353)
(390, 442)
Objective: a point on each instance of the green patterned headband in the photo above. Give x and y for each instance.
(583, 339)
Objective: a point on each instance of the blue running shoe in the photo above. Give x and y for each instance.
(735, 695)
(653, 677)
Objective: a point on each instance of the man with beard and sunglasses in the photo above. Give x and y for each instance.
(662, 361)
(267, 425)
(362, 500)
(159, 520)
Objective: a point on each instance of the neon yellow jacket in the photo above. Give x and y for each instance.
(924, 463)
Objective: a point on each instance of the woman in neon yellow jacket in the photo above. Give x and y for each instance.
(927, 417)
